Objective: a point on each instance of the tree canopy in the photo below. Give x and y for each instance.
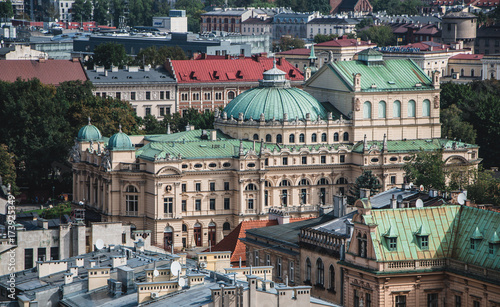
(366, 181)
(287, 43)
(158, 56)
(380, 35)
(81, 10)
(397, 7)
(484, 188)
(109, 54)
(6, 9)
(178, 123)
(320, 38)
(427, 169)
(194, 9)
(8, 168)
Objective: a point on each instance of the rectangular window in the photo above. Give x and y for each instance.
(278, 267)
(212, 186)
(198, 187)
(28, 258)
(266, 162)
(197, 205)
(424, 242)
(118, 95)
(393, 244)
(432, 300)
(285, 160)
(368, 300)
(250, 204)
(148, 111)
(472, 244)
(104, 95)
(268, 260)
(393, 179)
(218, 96)
(42, 253)
(184, 205)
(475, 304)
(132, 95)
(401, 301)
(184, 96)
(291, 270)
(227, 203)
(342, 158)
(167, 94)
(124, 238)
(183, 187)
(303, 196)
(284, 197)
(162, 95)
(304, 160)
(256, 258)
(323, 159)
(168, 204)
(458, 301)
(212, 203)
(356, 298)
(132, 204)
(54, 253)
(148, 95)
(162, 111)
(226, 186)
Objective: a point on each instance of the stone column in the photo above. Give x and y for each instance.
(241, 202)
(177, 200)
(260, 204)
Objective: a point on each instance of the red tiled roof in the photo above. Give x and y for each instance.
(464, 56)
(233, 243)
(425, 46)
(231, 70)
(343, 42)
(301, 51)
(48, 71)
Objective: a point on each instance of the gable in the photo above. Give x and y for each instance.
(328, 79)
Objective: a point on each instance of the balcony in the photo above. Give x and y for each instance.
(317, 238)
(132, 167)
(414, 265)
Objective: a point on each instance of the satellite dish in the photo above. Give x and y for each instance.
(421, 188)
(400, 198)
(461, 198)
(419, 203)
(99, 244)
(156, 273)
(175, 268)
(182, 282)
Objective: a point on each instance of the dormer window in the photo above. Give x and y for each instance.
(423, 237)
(391, 238)
(494, 244)
(476, 239)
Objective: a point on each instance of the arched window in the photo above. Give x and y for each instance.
(381, 109)
(251, 187)
(226, 226)
(323, 181)
(279, 139)
(302, 138)
(341, 180)
(396, 109)
(131, 200)
(346, 137)
(452, 71)
(304, 181)
(284, 183)
(367, 109)
(472, 72)
(291, 138)
(426, 108)
(308, 269)
(336, 137)
(331, 274)
(320, 272)
(314, 138)
(184, 228)
(462, 72)
(230, 95)
(361, 245)
(269, 138)
(411, 108)
(212, 230)
(323, 137)
(256, 137)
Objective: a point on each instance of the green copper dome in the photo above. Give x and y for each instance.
(89, 133)
(273, 98)
(120, 141)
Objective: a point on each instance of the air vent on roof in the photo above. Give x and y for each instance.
(146, 77)
(97, 77)
(129, 77)
(391, 82)
(114, 77)
(163, 77)
(418, 85)
(373, 86)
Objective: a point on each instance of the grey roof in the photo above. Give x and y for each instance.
(226, 13)
(460, 14)
(336, 226)
(334, 21)
(383, 199)
(288, 233)
(122, 76)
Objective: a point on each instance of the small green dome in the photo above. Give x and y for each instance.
(274, 97)
(89, 133)
(120, 141)
(273, 102)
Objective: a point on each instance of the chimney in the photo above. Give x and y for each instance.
(75, 59)
(394, 202)
(213, 135)
(41, 60)
(364, 193)
(43, 223)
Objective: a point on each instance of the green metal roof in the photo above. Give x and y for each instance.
(187, 136)
(414, 145)
(399, 74)
(273, 102)
(89, 133)
(120, 141)
(449, 228)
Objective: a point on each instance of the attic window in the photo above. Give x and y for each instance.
(391, 82)
(146, 77)
(239, 74)
(291, 73)
(391, 239)
(423, 237)
(392, 244)
(215, 75)
(373, 86)
(97, 77)
(163, 77)
(418, 85)
(114, 77)
(129, 77)
(476, 239)
(192, 75)
(494, 244)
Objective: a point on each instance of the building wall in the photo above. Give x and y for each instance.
(329, 28)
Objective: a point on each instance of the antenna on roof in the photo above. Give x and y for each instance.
(89, 120)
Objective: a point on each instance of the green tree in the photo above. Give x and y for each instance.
(454, 127)
(484, 189)
(101, 15)
(109, 54)
(365, 22)
(153, 126)
(320, 38)
(366, 181)
(154, 56)
(8, 168)
(427, 169)
(140, 12)
(322, 6)
(6, 10)
(380, 35)
(287, 43)
(81, 10)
